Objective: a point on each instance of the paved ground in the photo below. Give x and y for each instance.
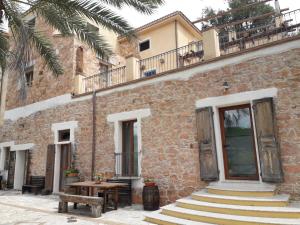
(17, 209)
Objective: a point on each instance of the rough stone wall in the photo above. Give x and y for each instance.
(45, 84)
(169, 146)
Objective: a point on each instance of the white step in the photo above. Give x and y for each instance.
(239, 207)
(275, 198)
(242, 186)
(170, 219)
(226, 217)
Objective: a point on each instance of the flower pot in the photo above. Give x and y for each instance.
(149, 184)
(72, 175)
(98, 181)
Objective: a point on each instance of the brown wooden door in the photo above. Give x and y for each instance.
(129, 148)
(239, 152)
(268, 147)
(50, 168)
(11, 169)
(207, 148)
(65, 163)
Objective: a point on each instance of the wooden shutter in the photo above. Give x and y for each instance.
(207, 147)
(268, 147)
(50, 168)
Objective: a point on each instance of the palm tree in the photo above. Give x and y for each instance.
(67, 16)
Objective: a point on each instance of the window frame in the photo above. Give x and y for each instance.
(29, 74)
(142, 42)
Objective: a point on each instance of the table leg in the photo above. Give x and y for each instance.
(116, 197)
(88, 191)
(104, 201)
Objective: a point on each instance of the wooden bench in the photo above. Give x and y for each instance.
(95, 203)
(37, 184)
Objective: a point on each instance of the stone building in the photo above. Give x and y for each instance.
(198, 111)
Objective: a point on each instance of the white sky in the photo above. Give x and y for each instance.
(191, 8)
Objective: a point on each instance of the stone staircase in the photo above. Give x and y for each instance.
(230, 203)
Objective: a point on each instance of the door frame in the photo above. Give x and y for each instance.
(221, 111)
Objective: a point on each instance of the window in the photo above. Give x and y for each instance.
(29, 76)
(144, 45)
(129, 148)
(64, 135)
(150, 73)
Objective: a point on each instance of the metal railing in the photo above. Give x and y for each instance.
(174, 59)
(104, 79)
(241, 36)
(127, 165)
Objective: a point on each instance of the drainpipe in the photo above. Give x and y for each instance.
(176, 42)
(94, 134)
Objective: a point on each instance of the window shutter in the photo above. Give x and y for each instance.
(207, 147)
(50, 167)
(268, 148)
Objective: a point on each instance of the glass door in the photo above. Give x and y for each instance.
(239, 152)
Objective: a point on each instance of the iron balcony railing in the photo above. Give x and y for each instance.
(273, 28)
(127, 165)
(174, 59)
(104, 79)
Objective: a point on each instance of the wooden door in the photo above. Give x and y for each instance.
(26, 167)
(268, 147)
(239, 152)
(11, 169)
(129, 148)
(206, 140)
(65, 163)
(50, 168)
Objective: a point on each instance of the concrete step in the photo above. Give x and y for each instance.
(224, 219)
(245, 189)
(161, 219)
(271, 201)
(256, 211)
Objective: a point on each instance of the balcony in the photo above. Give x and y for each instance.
(217, 42)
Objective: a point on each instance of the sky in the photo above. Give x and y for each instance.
(191, 8)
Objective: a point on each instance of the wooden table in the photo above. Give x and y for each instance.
(104, 186)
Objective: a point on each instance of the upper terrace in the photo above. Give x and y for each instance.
(215, 43)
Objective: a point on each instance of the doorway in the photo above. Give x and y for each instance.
(239, 152)
(65, 163)
(129, 148)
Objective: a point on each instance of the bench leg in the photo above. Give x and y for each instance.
(96, 211)
(63, 207)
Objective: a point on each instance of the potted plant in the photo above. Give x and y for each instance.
(149, 182)
(72, 172)
(99, 178)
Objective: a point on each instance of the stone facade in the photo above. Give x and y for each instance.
(45, 84)
(169, 145)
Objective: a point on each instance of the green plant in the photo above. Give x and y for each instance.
(149, 180)
(71, 171)
(99, 177)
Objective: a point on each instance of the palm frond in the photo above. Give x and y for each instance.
(46, 50)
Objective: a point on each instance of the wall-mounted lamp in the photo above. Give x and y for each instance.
(226, 86)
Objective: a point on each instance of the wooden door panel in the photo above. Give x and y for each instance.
(50, 168)
(207, 149)
(11, 169)
(268, 147)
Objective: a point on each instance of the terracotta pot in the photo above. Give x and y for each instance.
(149, 184)
(98, 181)
(72, 175)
